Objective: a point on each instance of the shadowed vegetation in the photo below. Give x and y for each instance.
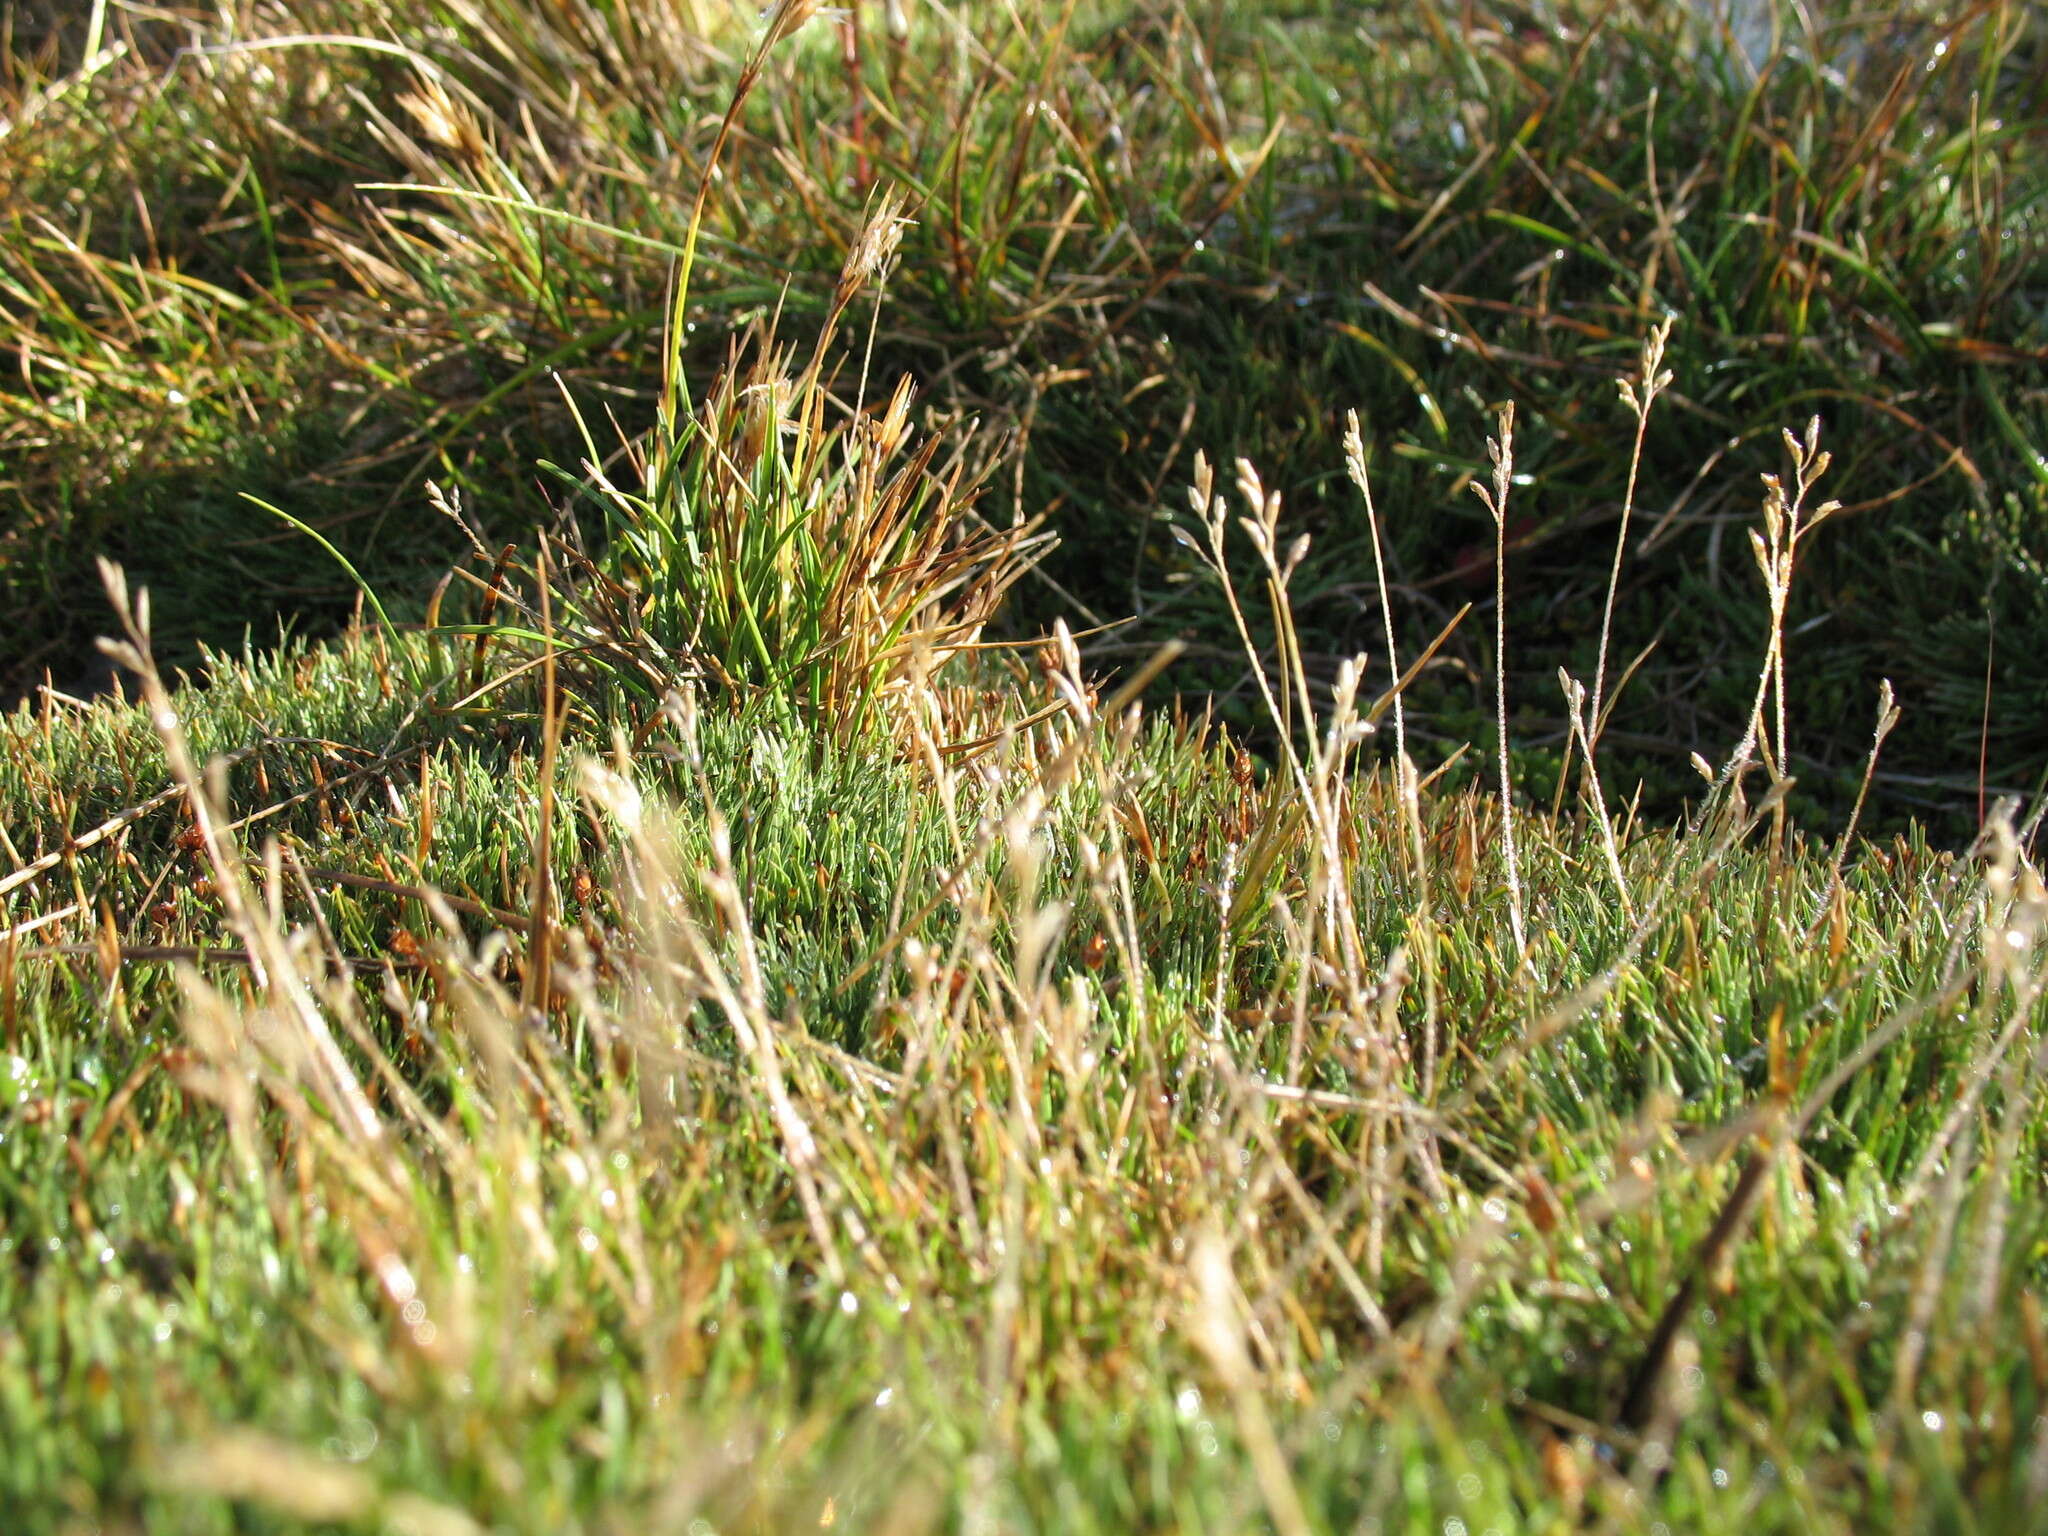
(327, 274)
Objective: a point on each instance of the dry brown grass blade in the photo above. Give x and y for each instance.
(90, 839)
(425, 895)
(197, 954)
(1646, 1381)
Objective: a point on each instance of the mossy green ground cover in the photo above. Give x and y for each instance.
(570, 1282)
(669, 1028)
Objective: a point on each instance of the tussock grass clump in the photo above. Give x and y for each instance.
(826, 565)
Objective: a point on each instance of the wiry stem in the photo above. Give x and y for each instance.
(1638, 398)
(1502, 451)
(1404, 770)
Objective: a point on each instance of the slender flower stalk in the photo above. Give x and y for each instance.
(1501, 450)
(1638, 395)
